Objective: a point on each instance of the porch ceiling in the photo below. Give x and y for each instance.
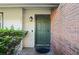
(29, 4)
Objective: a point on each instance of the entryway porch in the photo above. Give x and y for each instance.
(32, 51)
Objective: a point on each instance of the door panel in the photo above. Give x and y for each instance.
(42, 29)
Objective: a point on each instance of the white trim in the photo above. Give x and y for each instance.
(28, 5)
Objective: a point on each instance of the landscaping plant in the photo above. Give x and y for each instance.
(9, 38)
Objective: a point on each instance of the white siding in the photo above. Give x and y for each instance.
(12, 16)
(29, 41)
(19, 18)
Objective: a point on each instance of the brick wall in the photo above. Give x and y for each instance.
(65, 29)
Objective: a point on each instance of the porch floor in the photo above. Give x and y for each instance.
(31, 51)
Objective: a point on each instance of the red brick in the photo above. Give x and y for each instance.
(65, 29)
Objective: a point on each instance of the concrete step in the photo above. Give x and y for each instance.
(31, 51)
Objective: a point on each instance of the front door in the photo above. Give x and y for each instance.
(42, 33)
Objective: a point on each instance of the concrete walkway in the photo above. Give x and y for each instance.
(31, 51)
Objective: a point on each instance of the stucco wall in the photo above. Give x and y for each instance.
(65, 29)
(29, 40)
(12, 16)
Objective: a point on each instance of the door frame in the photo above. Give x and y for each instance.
(36, 23)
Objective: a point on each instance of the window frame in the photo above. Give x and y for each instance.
(1, 20)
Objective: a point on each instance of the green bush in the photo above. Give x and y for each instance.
(9, 38)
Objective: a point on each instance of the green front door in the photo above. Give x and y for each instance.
(42, 37)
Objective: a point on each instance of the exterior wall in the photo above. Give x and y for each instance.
(12, 17)
(65, 29)
(29, 40)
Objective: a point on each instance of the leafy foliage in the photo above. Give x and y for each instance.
(9, 38)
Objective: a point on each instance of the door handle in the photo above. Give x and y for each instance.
(31, 30)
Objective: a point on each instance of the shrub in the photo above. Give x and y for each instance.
(9, 38)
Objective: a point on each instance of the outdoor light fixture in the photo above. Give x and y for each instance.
(31, 18)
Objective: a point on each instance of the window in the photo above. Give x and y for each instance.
(1, 20)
